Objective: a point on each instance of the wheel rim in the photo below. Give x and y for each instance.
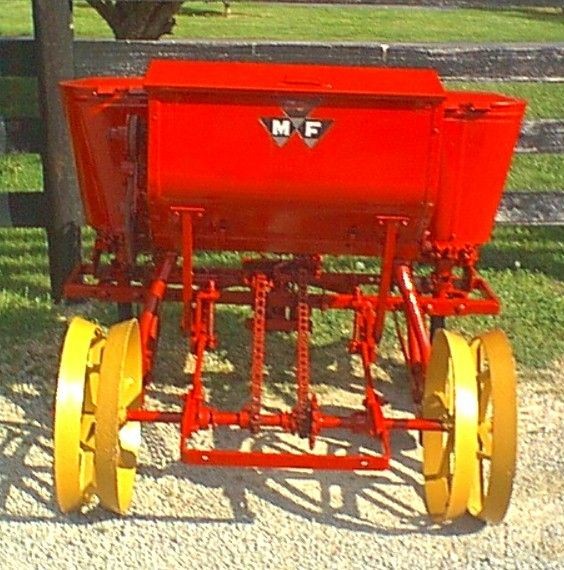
(75, 407)
(497, 427)
(449, 456)
(118, 440)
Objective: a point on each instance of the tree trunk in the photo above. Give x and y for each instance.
(138, 21)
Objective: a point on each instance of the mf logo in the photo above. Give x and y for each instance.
(296, 121)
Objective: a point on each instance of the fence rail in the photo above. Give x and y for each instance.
(465, 61)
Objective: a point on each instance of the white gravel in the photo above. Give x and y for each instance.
(223, 518)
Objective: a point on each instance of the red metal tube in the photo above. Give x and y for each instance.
(418, 424)
(154, 416)
(149, 319)
(386, 276)
(413, 311)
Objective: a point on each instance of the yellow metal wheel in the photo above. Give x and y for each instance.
(449, 457)
(75, 407)
(118, 440)
(497, 427)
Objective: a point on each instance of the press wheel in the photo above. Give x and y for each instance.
(449, 456)
(118, 440)
(497, 426)
(75, 407)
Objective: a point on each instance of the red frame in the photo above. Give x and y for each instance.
(199, 290)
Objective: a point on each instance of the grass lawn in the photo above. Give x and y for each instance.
(279, 21)
(524, 265)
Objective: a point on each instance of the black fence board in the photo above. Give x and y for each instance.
(511, 62)
(21, 135)
(532, 209)
(23, 210)
(546, 136)
(17, 57)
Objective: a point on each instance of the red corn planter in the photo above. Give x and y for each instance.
(297, 162)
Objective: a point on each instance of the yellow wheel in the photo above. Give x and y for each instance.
(449, 457)
(497, 427)
(118, 440)
(75, 407)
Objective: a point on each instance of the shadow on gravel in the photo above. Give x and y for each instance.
(305, 494)
(310, 495)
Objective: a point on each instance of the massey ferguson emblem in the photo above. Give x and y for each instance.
(296, 121)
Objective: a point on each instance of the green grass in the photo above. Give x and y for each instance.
(20, 172)
(276, 21)
(537, 172)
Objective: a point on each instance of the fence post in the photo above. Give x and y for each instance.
(52, 20)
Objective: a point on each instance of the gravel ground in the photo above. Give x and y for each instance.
(218, 518)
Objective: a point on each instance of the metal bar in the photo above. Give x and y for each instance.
(413, 310)
(149, 319)
(386, 276)
(75, 289)
(197, 384)
(154, 416)
(417, 424)
(414, 351)
(284, 460)
(187, 269)
(357, 421)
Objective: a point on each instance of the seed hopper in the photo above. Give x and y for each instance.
(289, 164)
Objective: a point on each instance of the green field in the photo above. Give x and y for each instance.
(524, 265)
